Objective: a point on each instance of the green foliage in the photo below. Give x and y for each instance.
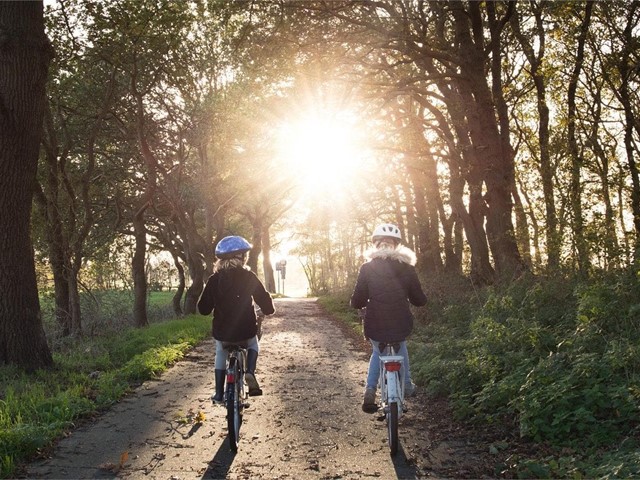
(88, 376)
(576, 399)
(104, 312)
(558, 357)
(338, 305)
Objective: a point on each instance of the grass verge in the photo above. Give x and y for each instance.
(338, 306)
(88, 376)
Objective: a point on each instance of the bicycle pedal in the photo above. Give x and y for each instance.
(381, 418)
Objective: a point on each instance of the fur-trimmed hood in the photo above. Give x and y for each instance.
(401, 254)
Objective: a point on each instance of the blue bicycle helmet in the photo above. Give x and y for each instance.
(232, 246)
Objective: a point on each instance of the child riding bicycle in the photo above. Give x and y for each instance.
(230, 293)
(386, 285)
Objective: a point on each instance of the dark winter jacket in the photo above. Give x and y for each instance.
(230, 293)
(386, 285)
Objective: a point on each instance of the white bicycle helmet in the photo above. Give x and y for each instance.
(386, 230)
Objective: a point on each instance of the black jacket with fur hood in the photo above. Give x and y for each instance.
(230, 293)
(386, 285)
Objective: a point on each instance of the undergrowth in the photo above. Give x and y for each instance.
(89, 375)
(557, 359)
(338, 305)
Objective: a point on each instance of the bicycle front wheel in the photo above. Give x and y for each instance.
(392, 427)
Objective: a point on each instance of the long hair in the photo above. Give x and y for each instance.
(386, 243)
(228, 263)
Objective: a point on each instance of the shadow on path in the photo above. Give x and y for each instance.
(220, 464)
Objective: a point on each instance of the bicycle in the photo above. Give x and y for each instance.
(235, 392)
(391, 386)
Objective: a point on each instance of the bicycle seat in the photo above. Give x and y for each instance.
(235, 346)
(395, 345)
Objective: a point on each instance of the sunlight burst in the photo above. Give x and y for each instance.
(323, 152)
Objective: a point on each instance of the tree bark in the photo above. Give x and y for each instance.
(497, 165)
(546, 168)
(256, 240)
(482, 272)
(463, 167)
(625, 66)
(140, 318)
(74, 303)
(177, 297)
(56, 242)
(25, 54)
(269, 277)
(196, 272)
(580, 242)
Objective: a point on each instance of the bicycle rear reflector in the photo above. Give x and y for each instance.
(231, 378)
(392, 366)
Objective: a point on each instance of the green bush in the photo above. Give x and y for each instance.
(560, 357)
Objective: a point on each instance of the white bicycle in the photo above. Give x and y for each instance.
(391, 387)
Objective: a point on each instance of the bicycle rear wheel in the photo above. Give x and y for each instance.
(392, 427)
(234, 411)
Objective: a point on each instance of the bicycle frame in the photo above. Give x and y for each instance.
(235, 367)
(390, 383)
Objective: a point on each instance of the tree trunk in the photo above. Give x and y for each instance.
(196, 272)
(60, 266)
(269, 277)
(74, 303)
(426, 217)
(24, 55)
(462, 158)
(609, 236)
(482, 272)
(256, 240)
(625, 67)
(522, 228)
(546, 168)
(452, 261)
(62, 298)
(47, 205)
(138, 269)
(580, 241)
(496, 162)
(177, 297)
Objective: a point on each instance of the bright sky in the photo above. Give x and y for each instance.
(323, 150)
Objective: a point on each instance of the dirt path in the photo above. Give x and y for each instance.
(307, 425)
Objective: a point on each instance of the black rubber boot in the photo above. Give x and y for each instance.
(220, 376)
(250, 374)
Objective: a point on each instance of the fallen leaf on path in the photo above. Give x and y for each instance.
(123, 458)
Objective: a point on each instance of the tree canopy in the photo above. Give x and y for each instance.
(501, 137)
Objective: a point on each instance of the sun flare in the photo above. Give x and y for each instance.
(322, 152)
